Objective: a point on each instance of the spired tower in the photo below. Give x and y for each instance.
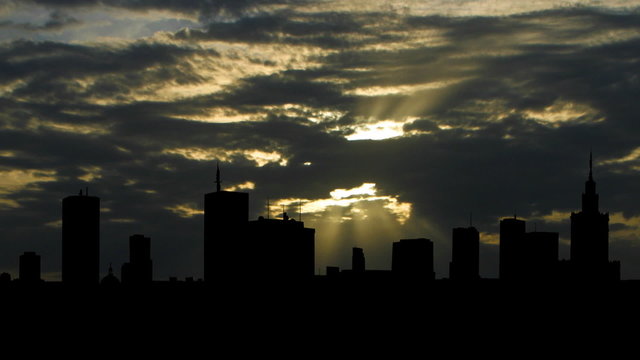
(226, 216)
(590, 238)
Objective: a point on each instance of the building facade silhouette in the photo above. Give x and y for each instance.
(226, 217)
(465, 254)
(139, 269)
(280, 249)
(29, 268)
(512, 232)
(590, 238)
(357, 260)
(413, 259)
(81, 240)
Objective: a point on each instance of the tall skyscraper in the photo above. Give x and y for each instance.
(357, 260)
(226, 216)
(81, 240)
(29, 268)
(512, 233)
(540, 256)
(465, 264)
(590, 237)
(139, 269)
(413, 259)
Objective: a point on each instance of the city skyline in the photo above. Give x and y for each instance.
(384, 120)
(239, 250)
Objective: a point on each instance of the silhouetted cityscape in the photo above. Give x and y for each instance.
(242, 251)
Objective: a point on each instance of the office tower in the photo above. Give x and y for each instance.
(413, 258)
(540, 256)
(81, 240)
(29, 272)
(357, 261)
(226, 215)
(465, 264)
(279, 249)
(590, 237)
(139, 269)
(511, 248)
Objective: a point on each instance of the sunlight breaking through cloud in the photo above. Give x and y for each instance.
(259, 157)
(354, 202)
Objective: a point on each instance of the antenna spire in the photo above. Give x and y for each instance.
(590, 165)
(218, 182)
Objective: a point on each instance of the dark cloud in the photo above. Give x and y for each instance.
(57, 20)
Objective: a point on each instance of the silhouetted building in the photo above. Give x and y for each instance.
(511, 248)
(413, 258)
(139, 269)
(333, 271)
(357, 260)
(590, 237)
(279, 249)
(29, 272)
(226, 216)
(110, 280)
(81, 240)
(465, 255)
(540, 256)
(5, 278)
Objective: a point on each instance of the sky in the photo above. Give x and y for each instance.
(385, 120)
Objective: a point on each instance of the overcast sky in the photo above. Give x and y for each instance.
(385, 119)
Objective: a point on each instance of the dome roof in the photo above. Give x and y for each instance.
(110, 279)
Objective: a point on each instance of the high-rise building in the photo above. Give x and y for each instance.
(413, 258)
(512, 239)
(540, 256)
(81, 240)
(29, 268)
(279, 249)
(226, 215)
(357, 260)
(590, 237)
(139, 269)
(465, 264)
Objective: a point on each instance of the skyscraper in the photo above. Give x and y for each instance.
(357, 261)
(413, 259)
(226, 215)
(81, 240)
(139, 269)
(465, 254)
(279, 249)
(512, 233)
(590, 237)
(29, 268)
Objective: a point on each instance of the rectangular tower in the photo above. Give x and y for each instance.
(29, 268)
(511, 248)
(413, 259)
(81, 240)
(465, 264)
(280, 249)
(139, 269)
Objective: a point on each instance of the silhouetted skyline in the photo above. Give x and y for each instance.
(239, 251)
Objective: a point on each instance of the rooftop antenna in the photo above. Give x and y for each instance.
(515, 214)
(80, 194)
(590, 165)
(218, 182)
(284, 214)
